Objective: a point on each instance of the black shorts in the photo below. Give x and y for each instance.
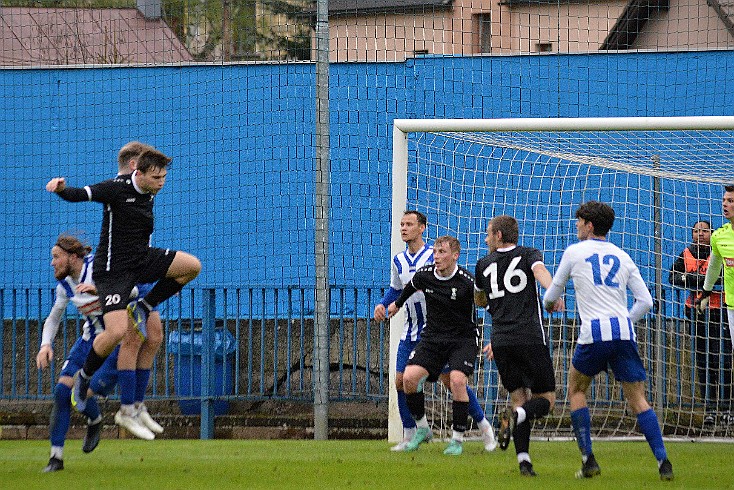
(433, 356)
(114, 287)
(525, 366)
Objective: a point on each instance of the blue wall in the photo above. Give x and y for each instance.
(239, 194)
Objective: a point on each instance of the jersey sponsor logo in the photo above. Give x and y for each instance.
(729, 261)
(130, 199)
(91, 307)
(429, 291)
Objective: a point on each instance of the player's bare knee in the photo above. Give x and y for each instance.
(457, 380)
(185, 268)
(399, 381)
(131, 341)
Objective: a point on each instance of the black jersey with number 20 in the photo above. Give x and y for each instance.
(127, 222)
(507, 278)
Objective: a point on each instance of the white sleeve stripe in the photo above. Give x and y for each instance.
(89, 192)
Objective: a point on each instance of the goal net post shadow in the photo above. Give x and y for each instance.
(660, 174)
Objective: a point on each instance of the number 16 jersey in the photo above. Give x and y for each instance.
(506, 276)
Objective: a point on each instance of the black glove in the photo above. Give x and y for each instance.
(702, 301)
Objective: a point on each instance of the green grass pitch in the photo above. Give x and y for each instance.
(223, 464)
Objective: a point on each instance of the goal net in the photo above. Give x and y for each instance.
(661, 176)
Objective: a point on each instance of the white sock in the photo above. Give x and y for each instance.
(484, 425)
(57, 452)
(127, 410)
(422, 423)
(408, 433)
(458, 436)
(523, 457)
(521, 415)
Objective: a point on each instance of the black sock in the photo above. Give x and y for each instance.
(164, 289)
(521, 435)
(416, 404)
(536, 408)
(461, 412)
(92, 363)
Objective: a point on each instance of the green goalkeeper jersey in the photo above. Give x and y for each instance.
(722, 253)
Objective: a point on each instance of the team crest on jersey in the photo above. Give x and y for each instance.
(729, 261)
(453, 293)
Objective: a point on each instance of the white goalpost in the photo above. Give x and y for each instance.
(660, 174)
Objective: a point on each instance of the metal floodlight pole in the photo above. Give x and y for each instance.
(323, 170)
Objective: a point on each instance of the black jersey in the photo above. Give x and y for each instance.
(449, 301)
(127, 222)
(508, 280)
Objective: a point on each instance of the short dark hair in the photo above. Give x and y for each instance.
(128, 152)
(708, 223)
(729, 188)
(508, 226)
(72, 245)
(152, 158)
(600, 214)
(418, 216)
(452, 242)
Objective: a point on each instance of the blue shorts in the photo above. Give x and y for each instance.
(405, 347)
(104, 380)
(77, 356)
(620, 356)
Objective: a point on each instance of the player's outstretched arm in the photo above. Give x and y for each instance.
(44, 356)
(56, 184)
(50, 328)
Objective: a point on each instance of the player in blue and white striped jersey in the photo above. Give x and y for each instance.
(601, 274)
(404, 265)
(73, 266)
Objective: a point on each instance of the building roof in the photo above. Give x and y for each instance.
(32, 36)
(632, 22)
(372, 6)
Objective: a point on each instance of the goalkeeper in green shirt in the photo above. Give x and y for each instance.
(722, 253)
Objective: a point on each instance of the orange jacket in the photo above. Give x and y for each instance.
(694, 265)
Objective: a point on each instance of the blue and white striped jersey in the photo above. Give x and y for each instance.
(87, 304)
(402, 270)
(601, 274)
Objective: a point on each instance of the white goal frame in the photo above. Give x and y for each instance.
(401, 129)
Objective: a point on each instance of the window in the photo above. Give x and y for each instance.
(483, 33)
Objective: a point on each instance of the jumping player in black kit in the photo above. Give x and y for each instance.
(124, 256)
(450, 336)
(505, 283)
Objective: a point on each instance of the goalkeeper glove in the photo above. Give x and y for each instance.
(702, 301)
